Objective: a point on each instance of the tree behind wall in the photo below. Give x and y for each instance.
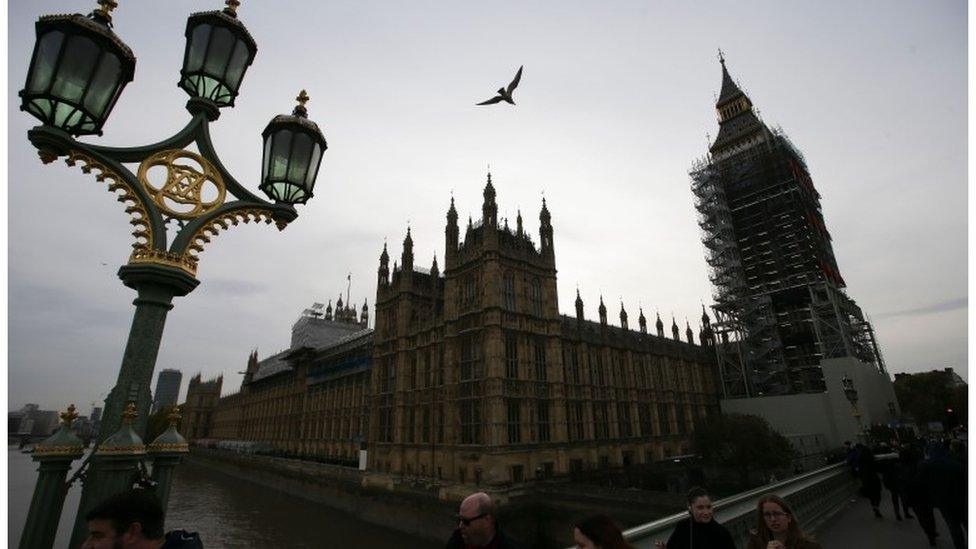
(929, 396)
(742, 443)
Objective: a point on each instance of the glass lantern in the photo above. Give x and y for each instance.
(218, 52)
(293, 147)
(77, 72)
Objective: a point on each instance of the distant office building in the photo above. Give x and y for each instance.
(96, 414)
(167, 389)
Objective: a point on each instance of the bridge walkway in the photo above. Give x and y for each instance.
(856, 527)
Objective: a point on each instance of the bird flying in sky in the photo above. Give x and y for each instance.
(505, 94)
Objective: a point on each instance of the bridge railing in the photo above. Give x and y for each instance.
(814, 496)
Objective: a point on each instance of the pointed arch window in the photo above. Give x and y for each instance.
(536, 297)
(509, 283)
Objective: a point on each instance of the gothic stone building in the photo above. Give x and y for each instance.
(310, 400)
(201, 401)
(478, 378)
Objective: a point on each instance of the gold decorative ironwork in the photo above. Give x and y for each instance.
(184, 185)
(69, 415)
(129, 414)
(174, 416)
(243, 214)
(132, 449)
(47, 156)
(160, 257)
(302, 98)
(232, 6)
(41, 450)
(181, 447)
(106, 7)
(138, 216)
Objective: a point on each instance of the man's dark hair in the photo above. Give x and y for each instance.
(125, 509)
(696, 493)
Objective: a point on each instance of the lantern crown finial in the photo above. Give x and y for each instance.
(104, 11)
(174, 416)
(69, 415)
(231, 8)
(300, 110)
(129, 415)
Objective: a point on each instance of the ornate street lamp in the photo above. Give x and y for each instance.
(851, 393)
(78, 70)
(218, 52)
(293, 147)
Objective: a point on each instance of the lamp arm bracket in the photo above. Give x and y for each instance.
(198, 232)
(137, 154)
(205, 145)
(150, 231)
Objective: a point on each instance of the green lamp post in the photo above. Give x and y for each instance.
(78, 71)
(113, 469)
(167, 450)
(55, 455)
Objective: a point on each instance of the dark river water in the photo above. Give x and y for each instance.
(225, 511)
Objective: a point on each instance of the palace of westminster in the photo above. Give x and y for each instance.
(472, 375)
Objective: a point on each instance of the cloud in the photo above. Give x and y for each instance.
(945, 306)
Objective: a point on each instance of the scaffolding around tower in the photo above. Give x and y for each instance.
(780, 306)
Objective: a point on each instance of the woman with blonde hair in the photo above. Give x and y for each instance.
(777, 527)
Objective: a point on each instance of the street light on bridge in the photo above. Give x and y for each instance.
(77, 73)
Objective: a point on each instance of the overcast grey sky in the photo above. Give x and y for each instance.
(614, 106)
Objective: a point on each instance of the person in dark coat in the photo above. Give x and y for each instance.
(867, 469)
(133, 520)
(777, 528)
(478, 526)
(700, 530)
(891, 478)
(945, 482)
(917, 492)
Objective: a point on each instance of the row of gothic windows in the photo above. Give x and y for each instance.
(536, 297)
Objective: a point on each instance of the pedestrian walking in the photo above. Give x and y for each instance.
(892, 481)
(867, 470)
(699, 530)
(918, 494)
(478, 526)
(945, 482)
(599, 532)
(777, 528)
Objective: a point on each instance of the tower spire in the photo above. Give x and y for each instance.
(579, 306)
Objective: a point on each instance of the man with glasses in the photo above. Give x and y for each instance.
(478, 527)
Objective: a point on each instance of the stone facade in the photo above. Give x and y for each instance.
(478, 379)
(198, 410)
(310, 400)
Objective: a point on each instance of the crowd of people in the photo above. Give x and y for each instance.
(776, 528)
(920, 477)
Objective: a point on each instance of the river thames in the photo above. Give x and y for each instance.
(225, 511)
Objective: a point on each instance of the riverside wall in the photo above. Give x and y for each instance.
(539, 515)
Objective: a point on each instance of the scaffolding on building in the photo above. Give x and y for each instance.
(779, 304)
